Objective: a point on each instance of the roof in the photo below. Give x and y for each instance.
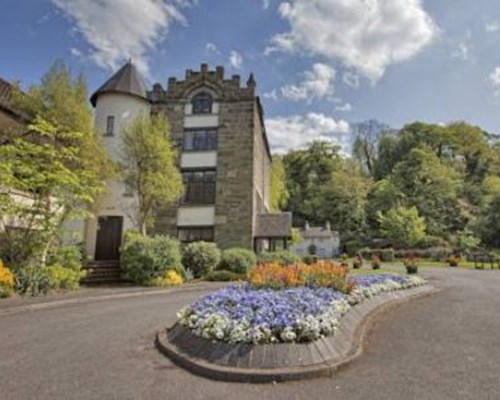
(127, 80)
(5, 91)
(277, 225)
(317, 232)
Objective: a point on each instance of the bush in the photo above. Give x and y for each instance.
(67, 257)
(171, 278)
(201, 258)
(357, 262)
(33, 281)
(433, 253)
(224, 276)
(282, 257)
(237, 260)
(309, 259)
(375, 262)
(6, 281)
(64, 278)
(387, 255)
(144, 259)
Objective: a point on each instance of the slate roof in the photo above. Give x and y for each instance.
(316, 232)
(277, 225)
(127, 80)
(5, 91)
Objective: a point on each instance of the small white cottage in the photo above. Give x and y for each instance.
(319, 241)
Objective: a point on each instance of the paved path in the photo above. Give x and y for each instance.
(442, 347)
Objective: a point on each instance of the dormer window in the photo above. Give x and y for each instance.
(202, 103)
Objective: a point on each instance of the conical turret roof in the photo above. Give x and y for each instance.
(127, 80)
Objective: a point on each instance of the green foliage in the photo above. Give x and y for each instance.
(57, 167)
(149, 160)
(33, 280)
(67, 256)
(237, 260)
(282, 257)
(489, 225)
(224, 276)
(403, 226)
(64, 278)
(144, 259)
(387, 255)
(201, 257)
(309, 259)
(465, 241)
(279, 192)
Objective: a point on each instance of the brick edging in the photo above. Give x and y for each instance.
(354, 326)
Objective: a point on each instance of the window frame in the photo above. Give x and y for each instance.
(196, 109)
(201, 236)
(194, 186)
(110, 125)
(209, 143)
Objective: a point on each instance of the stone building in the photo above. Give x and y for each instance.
(320, 241)
(224, 156)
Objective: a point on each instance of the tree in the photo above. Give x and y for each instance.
(383, 196)
(149, 161)
(279, 192)
(306, 172)
(53, 172)
(403, 226)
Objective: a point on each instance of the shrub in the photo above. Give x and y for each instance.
(67, 257)
(320, 274)
(237, 260)
(171, 278)
(33, 281)
(224, 276)
(144, 258)
(282, 257)
(201, 257)
(64, 278)
(387, 255)
(309, 259)
(6, 281)
(357, 262)
(375, 262)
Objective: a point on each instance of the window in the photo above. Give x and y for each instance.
(194, 234)
(199, 187)
(110, 125)
(202, 103)
(200, 140)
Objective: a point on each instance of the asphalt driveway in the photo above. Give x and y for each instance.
(446, 346)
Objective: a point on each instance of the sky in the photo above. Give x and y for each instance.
(321, 65)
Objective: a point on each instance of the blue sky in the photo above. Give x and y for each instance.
(320, 65)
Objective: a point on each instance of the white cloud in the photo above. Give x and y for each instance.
(351, 79)
(296, 131)
(495, 80)
(462, 51)
(492, 26)
(211, 48)
(266, 4)
(119, 30)
(317, 83)
(272, 95)
(368, 35)
(235, 59)
(75, 52)
(346, 107)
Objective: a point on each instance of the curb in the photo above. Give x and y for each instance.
(83, 300)
(355, 332)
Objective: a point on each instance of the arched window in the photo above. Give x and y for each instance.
(202, 103)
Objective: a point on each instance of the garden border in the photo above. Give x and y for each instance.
(283, 361)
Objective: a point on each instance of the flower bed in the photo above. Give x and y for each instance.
(242, 314)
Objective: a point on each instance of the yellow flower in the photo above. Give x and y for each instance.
(6, 276)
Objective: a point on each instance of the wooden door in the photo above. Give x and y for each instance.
(109, 238)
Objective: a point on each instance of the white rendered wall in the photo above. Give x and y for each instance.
(199, 159)
(113, 202)
(196, 216)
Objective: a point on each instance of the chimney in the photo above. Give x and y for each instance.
(328, 226)
(171, 82)
(188, 73)
(236, 79)
(204, 68)
(219, 72)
